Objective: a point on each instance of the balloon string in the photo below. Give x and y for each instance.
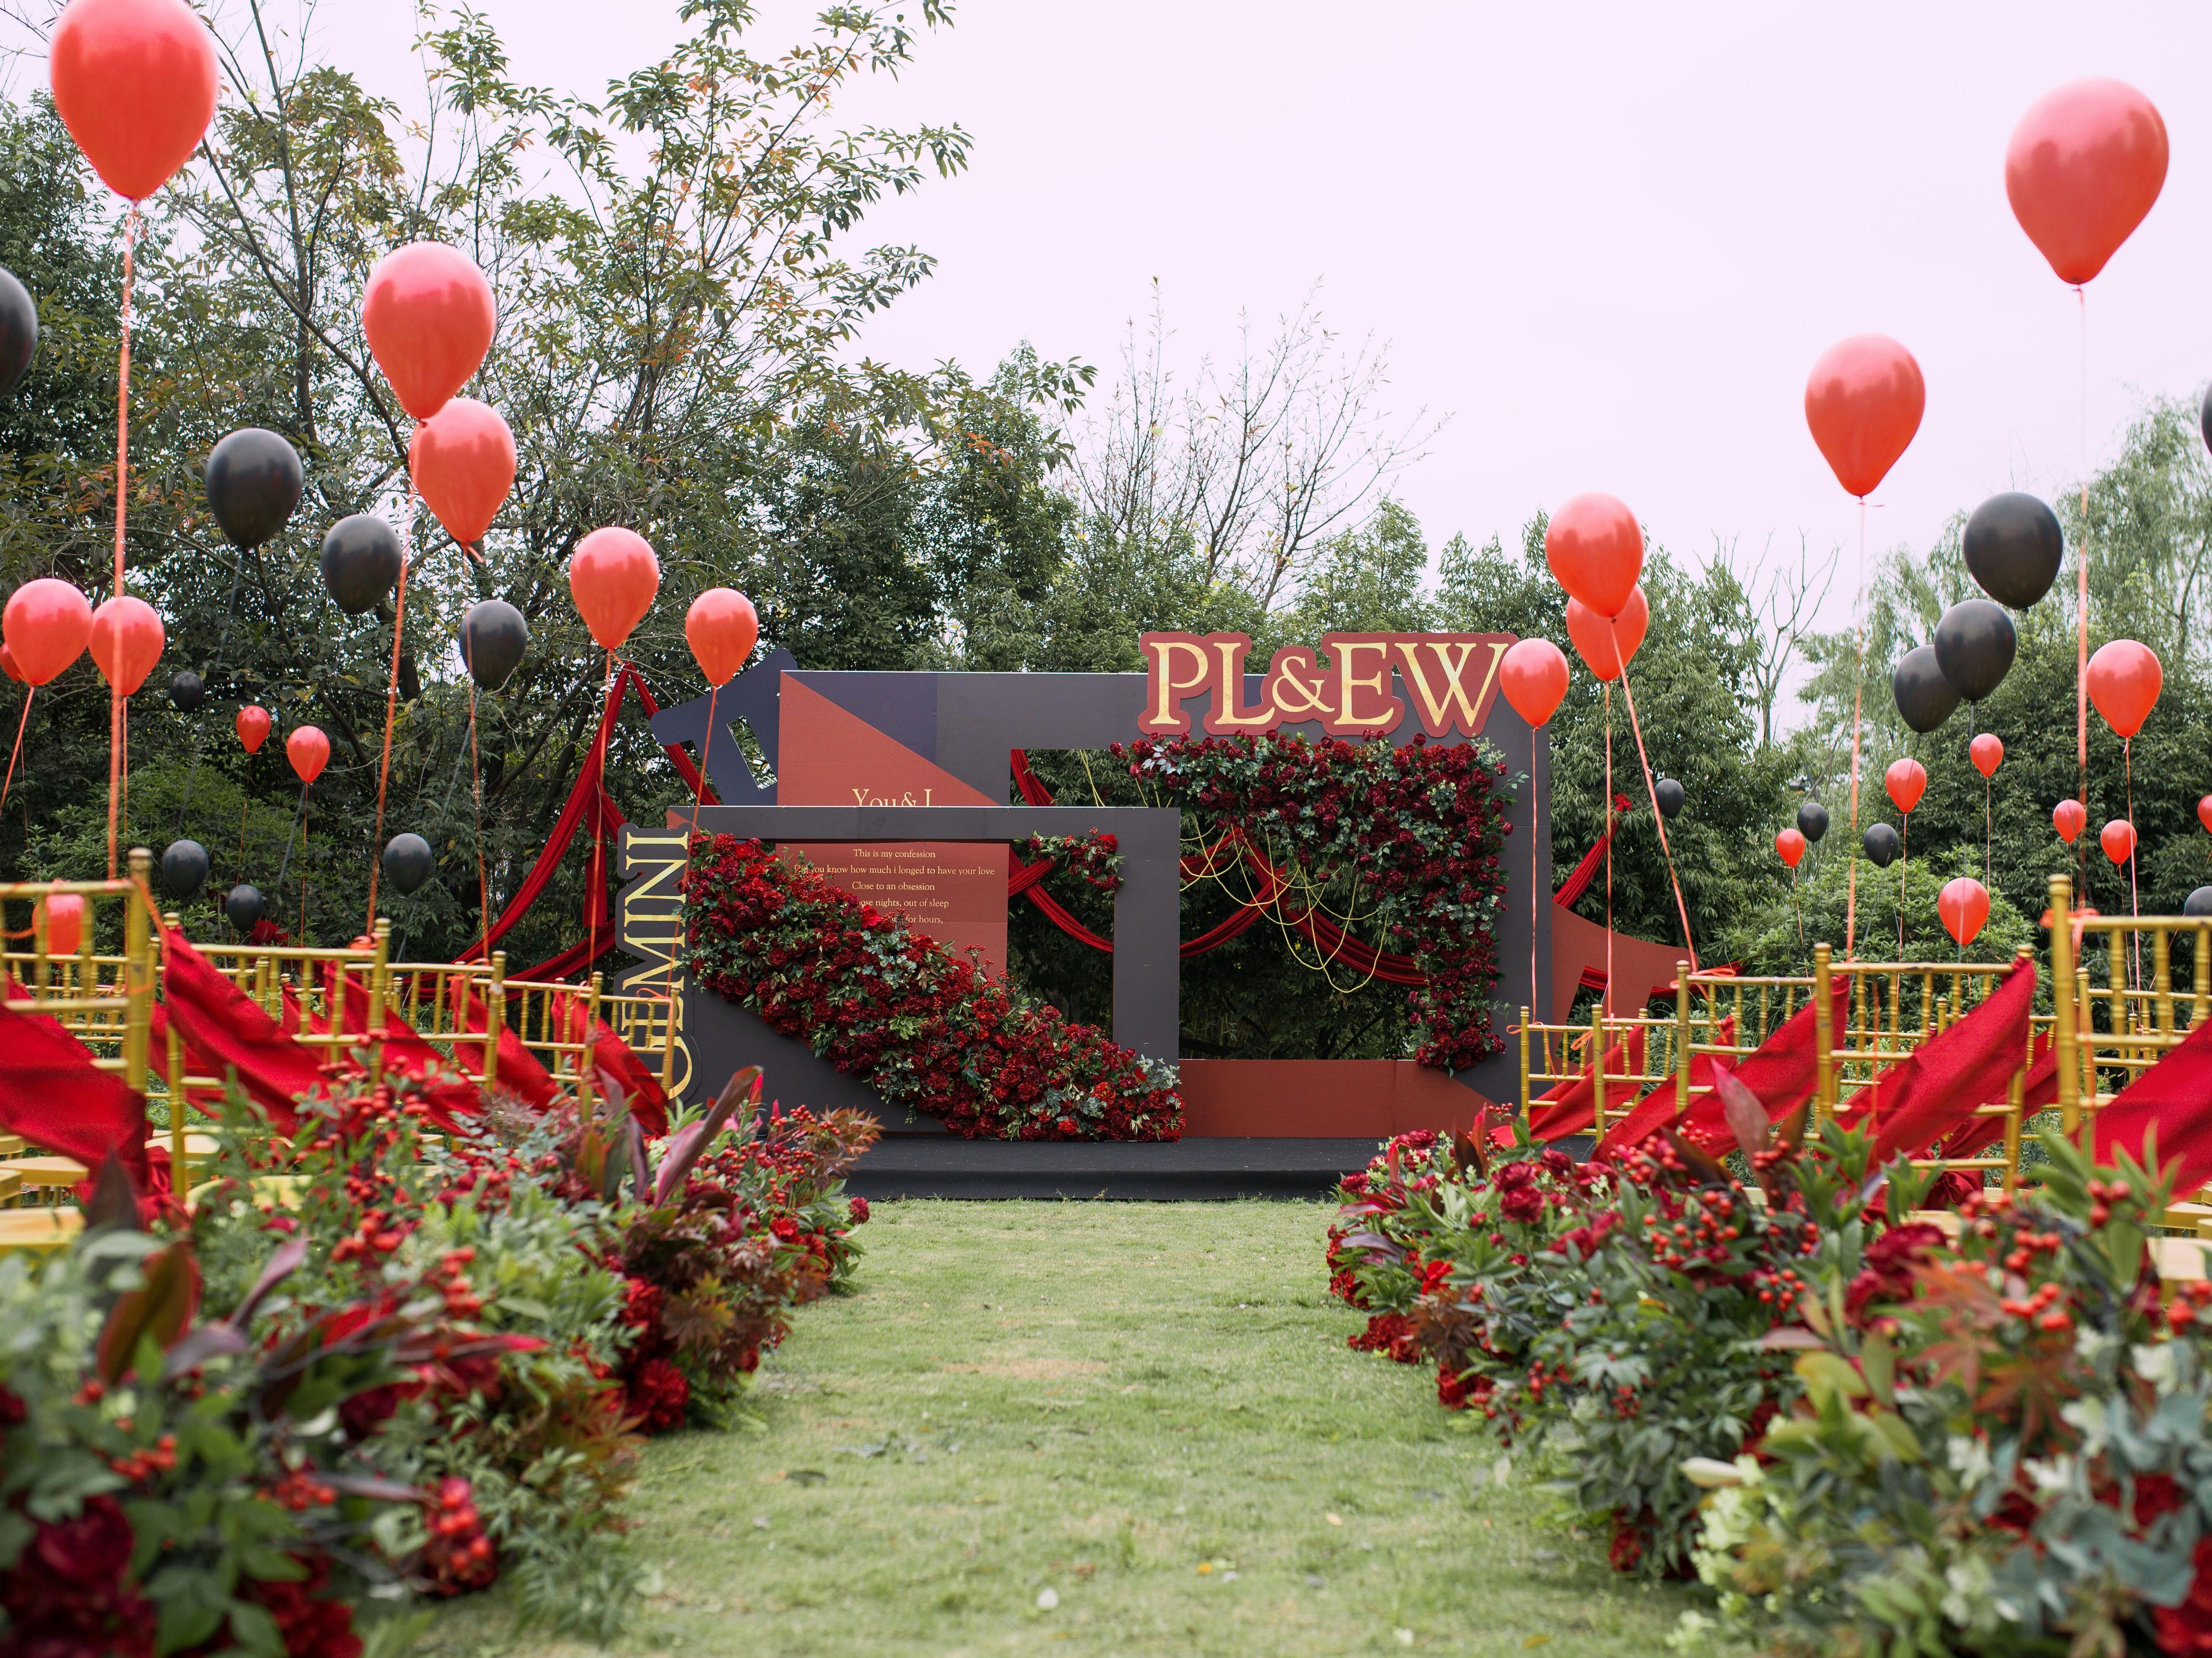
(1536, 1008)
(1989, 831)
(1794, 909)
(1903, 857)
(1858, 705)
(475, 782)
(1607, 1002)
(2081, 602)
(699, 794)
(1658, 819)
(2134, 892)
(29, 691)
(284, 865)
(303, 863)
(599, 824)
(391, 698)
(122, 514)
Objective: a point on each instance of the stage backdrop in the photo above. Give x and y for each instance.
(880, 746)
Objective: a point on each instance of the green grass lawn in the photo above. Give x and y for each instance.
(1098, 1427)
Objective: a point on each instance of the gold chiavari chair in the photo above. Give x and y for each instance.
(105, 1000)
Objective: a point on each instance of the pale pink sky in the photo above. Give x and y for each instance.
(1609, 240)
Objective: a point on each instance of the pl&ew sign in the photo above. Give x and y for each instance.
(1450, 679)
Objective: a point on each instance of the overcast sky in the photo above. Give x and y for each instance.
(1608, 241)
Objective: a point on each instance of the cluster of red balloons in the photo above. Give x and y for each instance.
(306, 747)
(48, 623)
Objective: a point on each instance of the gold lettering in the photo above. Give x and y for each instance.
(1451, 707)
(1227, 714)
(1164, 713)
(1349, 680)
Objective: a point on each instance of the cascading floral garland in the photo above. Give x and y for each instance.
(925, 1029)
(1422, 827)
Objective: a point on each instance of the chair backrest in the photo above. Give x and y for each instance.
(2143, 1014)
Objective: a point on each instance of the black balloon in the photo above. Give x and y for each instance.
(2198, 903)
(407, 863)
(19, 330)
(184, 868)
(2015, 548)
(2204, 416)
(1673, 797)
(494, 636)
(1882, 845)
(361, 561)
(243, 906)
(253, 481)
(1974, 646)
(186, 689)
(1812, 819)
(1924, 698)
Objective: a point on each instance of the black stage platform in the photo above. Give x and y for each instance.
(944, 1166)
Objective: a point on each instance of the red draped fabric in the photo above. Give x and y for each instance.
(2170, 1104)
(225, 1030)
(1976, 1136)
(1571, 1107)
(1780, 1074)
(1656, 1109)
(52, 1094)
(519, 1073)
(589, 806)
(1270, 888)
(1579, 878)
(1934, 1090)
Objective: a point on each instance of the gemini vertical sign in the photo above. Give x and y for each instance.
(650, 924)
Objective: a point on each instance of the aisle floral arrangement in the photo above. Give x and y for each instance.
(438, 1354)
(1865, 1440)
(927, 1031)
(1420, 827)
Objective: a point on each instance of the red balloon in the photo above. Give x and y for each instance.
(2203, 807)
(252, 727)
(2084, 166)
(8, 664)
(428, 315)
(1863, 401)
(2117, 838)
(134, 81)
(1962, 906)
(46, 625)
(1532, 678)
(1988, 753)
(612, 578)
(126, 641)
(1607, 647)
(309, 750)
(721, 627)
(1791, 845)
(1595, 548)
(2125, 680)
(65, 922)
(2069, 818)
(1906, 781)
(462, 460)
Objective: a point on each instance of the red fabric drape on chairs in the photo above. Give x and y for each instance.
(1656, 1109)
(1934, 1090)
(223, 1029)
(1571, 1107)
(2172, 1102)
(53, 1095)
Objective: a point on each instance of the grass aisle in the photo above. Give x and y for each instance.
(1144, 1412)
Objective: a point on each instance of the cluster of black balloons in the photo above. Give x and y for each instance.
(2014, 549)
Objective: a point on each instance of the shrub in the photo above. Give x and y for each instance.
(2001, 1448)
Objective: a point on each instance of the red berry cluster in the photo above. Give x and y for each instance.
(458, 1555)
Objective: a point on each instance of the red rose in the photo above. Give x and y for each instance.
(88, 1551)
(656, 1393)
